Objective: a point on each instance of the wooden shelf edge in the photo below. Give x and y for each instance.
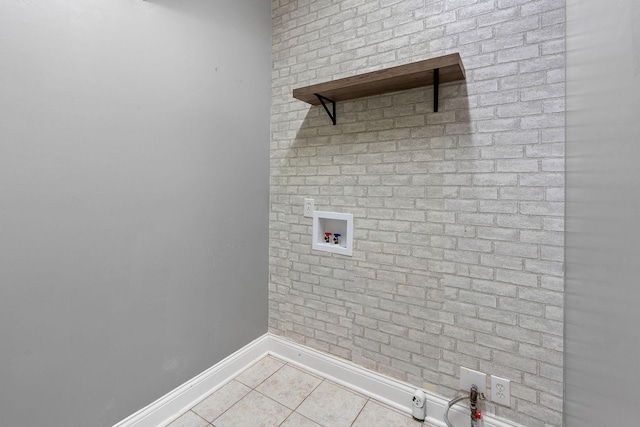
(401, 77)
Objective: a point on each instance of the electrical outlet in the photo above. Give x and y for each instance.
(500, 391)
(308, 207)
(469, 377)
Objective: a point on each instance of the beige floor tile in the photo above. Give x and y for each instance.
(189, 419)
(254, 410)
(297, 420)
(375, 414)
(260, 371)
(289, 386)
(332, 405)
(221, 400)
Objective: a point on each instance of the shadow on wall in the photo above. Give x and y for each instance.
(393, 163)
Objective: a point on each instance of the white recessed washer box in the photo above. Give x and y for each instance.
(334, 223)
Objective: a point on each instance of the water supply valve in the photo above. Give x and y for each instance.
(474, 400)
(478, 421)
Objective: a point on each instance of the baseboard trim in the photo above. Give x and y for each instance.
(177, 401)
(387, 390)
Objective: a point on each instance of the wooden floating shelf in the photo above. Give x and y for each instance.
(429, 72)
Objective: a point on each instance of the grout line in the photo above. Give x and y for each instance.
(308, 395)
(234, 403)
(360, 411)
(295, 410)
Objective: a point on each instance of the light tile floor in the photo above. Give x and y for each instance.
(273, 393)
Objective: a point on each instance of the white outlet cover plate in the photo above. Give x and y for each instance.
(308, 207)
(500, 391)
(469, 377)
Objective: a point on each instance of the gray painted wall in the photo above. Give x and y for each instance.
(602, 375)
(134, 143)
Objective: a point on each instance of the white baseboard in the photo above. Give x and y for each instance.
(379, 387)
(184, 397)
(387, 390)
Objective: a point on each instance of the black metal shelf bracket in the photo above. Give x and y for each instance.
(322, 100)
(436, 87)
(332, 113)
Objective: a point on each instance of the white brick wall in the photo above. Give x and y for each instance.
(458, 215)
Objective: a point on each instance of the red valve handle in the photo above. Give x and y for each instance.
(478, 415)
